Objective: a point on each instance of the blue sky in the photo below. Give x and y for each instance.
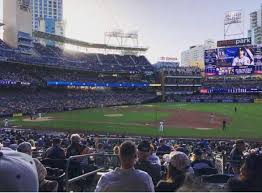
(167, 27)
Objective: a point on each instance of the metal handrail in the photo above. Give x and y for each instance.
(84, 175)
(67, 180)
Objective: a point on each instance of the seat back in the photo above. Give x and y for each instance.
(205, 171)
(54, 163)
(216, 178)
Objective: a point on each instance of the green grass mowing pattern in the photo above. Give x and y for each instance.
(246, 123)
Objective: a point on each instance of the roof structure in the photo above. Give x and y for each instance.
(62, 39)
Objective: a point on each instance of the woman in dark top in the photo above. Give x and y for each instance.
(250, 179)
(177, 170)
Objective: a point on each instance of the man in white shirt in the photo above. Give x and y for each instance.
(161, 126)
(241, 60)
(6, 122)
(126, 178)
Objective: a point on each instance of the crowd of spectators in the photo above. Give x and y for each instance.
(29, 101)
(212, 97)
(144, 163)
(233, 83)
(183, 81)
(180, 71)
(39, 76)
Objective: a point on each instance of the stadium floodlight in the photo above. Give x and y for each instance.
(122, 39)
(234, 24)
(233, 17)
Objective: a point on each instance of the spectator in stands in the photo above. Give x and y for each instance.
(144, 164)
(75, 148)
(198, 162)
(44, 185)
(153, 158)
(182, 149)
(55, 152)
(116, 150)
(17, 172)
(100, 148)
(250, 175)
(13, 145)
(194, 184)
(126, 178)
(178, 169)
(237, 155)
(163, 148)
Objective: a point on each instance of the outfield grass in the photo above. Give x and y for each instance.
(246, 123)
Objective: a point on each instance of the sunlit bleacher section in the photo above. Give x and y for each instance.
(57, 57)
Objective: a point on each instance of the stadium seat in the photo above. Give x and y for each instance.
(205, 171)
(55, 163)
(216, 178)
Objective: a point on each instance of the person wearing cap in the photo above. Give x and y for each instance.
(17, 172)
(153, 158)
(237, 156)
(75, 148)
(126, 178)
(163, 148)
(177, 170)
(55, 152)
(144, 164)
(198, 162)
(44, 185)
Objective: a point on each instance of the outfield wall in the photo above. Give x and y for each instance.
(216, 101)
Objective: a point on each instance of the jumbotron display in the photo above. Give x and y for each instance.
(233, 61)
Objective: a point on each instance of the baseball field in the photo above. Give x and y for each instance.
(180, 120)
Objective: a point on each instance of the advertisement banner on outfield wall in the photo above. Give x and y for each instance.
(258, 100)
(227, 101)
(17, 114)
(245, 100)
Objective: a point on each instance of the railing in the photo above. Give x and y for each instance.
(103, 167)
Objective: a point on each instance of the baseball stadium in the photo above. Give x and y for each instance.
(103, 117)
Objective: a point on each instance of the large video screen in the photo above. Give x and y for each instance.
(233, 61)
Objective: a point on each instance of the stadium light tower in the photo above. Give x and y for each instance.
(122, 39)
(234, 24)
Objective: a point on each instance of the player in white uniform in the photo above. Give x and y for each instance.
(6, 122)
(241, 59)
(212, 116)
(161, 126)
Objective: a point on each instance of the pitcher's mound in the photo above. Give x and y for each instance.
(42, 119)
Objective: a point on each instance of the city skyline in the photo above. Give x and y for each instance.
(166, 28)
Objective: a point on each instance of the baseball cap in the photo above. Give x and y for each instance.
(24, 147)
(17, 172)
(182, 149)
(179, 160)
(197, 152)
(144, 146)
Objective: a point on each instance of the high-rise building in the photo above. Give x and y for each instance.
(47, 16)
(17, 18)
(195, 55)
(255, 30)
